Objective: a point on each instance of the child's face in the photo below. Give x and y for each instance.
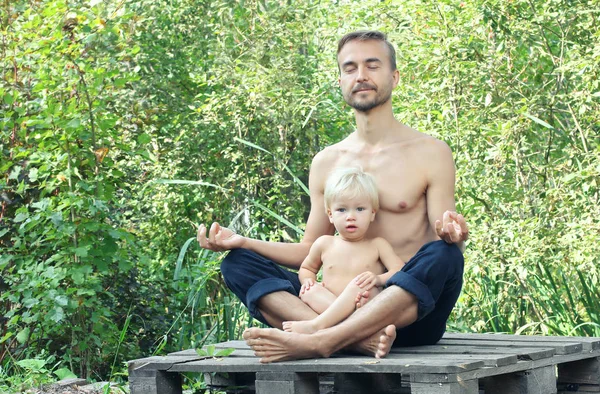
(351, 216)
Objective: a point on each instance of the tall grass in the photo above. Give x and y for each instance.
(547, 301)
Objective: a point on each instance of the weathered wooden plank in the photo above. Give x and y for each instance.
(287, 383)
(581, 371)
(521, 353)
(231, 382)
(160, 362)
(559, 347)
(534, 381)
(587, 342)
(347, 364)
(374, 383)
(462, 387)
(152, 381)
(577, 389)
(490, 360)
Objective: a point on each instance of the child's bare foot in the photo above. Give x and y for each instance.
(301, 327)
(361, 299)
(378, 344)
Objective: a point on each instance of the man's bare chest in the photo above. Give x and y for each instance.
(401, 182)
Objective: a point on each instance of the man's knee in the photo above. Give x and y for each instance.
(231, 263)
(240, 263)
(448, 255)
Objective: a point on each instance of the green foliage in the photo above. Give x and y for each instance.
(125, 124)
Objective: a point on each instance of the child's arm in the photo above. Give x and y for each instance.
(389, 259)
(367, 280)
(312, 263)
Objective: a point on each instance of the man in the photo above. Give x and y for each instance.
(415, 174)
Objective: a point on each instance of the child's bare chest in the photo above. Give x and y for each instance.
(346, 260)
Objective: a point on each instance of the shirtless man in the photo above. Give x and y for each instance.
(415, 174)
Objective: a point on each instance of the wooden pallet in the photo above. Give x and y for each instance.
(458, 364)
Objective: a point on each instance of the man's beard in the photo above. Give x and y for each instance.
(366, 106)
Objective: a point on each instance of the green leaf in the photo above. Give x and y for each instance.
(33, 174)
(78, 277)
(23, 335)
(8, 99)
(201, 352)
(224, 352)
(6, 336)
(538, 121)
(81, 251)
(210, 349)
(21, 216)
(74, 123)
(57, 314)
(32, 364)
(61, 300)
(65, 373)
(182, 253)
(143, 139)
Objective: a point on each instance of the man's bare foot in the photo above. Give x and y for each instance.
(301, 327)
(378, 344)
(273, 345)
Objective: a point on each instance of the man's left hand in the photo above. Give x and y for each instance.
(453, 228)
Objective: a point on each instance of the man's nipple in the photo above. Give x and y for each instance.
(402, 205)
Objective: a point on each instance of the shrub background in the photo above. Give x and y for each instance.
(124, 124)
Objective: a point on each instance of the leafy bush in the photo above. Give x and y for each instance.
(125, 124)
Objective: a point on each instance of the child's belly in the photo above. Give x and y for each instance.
(337, 282)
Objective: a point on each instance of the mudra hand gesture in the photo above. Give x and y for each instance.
(219, 238)
(452, 228)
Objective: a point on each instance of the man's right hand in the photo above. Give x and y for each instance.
(219, 238)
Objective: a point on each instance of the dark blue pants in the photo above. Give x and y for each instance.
(433, 275)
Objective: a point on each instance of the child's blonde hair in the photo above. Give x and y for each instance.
(351, 183)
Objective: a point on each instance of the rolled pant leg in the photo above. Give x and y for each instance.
(251, 276)
(434, 276)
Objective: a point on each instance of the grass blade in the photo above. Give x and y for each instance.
(297, 229)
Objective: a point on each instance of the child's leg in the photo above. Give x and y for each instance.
(318, 297)
(339, 310)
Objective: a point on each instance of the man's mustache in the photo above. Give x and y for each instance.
(363, 86)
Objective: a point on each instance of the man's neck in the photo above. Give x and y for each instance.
(376, 125)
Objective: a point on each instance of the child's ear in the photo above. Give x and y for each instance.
(330, 215)
(373, 212)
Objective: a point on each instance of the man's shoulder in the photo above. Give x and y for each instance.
(423, 143)
(329, 154)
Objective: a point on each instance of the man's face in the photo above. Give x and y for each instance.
(366, 76)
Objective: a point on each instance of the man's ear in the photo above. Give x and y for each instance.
(396, 77)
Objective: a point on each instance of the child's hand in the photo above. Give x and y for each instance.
(367, 280)
(308, 283)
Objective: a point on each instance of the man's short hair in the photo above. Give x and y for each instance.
(365, 35)
(350, 182)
